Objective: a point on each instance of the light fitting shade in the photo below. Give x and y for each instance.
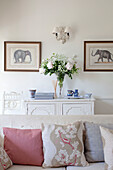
(55, 30)
(62, 33)
(67, 29)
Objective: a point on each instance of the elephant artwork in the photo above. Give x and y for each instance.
(20, 56)
(103, 54)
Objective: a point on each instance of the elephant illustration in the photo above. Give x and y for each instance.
(103, 54)
(20, 56)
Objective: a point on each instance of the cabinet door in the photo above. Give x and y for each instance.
(40, 109)
(77, 109)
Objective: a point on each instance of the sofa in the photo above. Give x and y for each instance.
(35, 121)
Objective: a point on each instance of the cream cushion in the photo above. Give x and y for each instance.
(107, 138)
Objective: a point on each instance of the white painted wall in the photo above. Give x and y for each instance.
(33, 20)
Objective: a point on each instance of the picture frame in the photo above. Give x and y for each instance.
(98, 56)
(22, 56)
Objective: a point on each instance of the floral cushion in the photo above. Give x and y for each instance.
(63, 145)
(5, 161)
(107, 138)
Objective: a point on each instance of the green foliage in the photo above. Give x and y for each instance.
(59, 65)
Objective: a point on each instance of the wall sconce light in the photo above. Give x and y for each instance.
(62, 33)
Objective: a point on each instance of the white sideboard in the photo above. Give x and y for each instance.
(60, 107)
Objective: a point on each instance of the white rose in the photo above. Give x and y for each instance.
(69, 66)
(41, 70)
(50, 65)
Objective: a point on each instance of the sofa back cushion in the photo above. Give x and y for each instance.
(24, 146)
(93, 142)
(107, 138)
(35, 121)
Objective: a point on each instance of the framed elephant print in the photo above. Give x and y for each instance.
(22, 56)
(98, 55)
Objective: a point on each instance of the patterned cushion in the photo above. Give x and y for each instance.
(63, 145)
(5, 161)
(107, 138)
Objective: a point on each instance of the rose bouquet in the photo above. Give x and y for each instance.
(59, 65)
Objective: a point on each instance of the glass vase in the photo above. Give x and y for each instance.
(60, 89)
(60, 80)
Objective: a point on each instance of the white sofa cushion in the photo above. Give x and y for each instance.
(24, 167)
(107, 138)
(92, 166)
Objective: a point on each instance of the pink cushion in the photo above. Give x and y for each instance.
(24, 146)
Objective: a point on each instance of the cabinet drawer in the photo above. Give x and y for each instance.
(77, 109)
(40, 109)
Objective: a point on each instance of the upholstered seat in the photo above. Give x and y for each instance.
(92, 166)
(24, 167)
